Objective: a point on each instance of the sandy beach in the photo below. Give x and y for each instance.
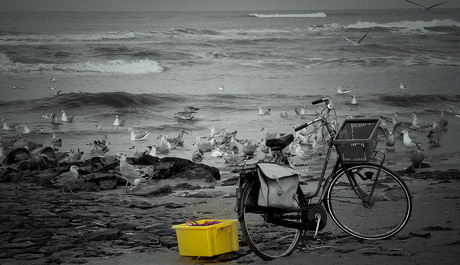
(41, 225)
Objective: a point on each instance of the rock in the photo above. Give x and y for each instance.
(195, 173)
(168, 241)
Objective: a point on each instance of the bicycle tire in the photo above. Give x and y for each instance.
(267, 240)
(383, 215)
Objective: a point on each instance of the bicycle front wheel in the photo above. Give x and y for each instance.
(266, 239)
(368, 204)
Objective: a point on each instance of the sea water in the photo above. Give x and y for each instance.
(147, 66)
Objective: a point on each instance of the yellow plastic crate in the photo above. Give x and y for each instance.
(207, 241)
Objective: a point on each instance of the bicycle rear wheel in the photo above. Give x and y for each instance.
(378, 216)
(267, 240)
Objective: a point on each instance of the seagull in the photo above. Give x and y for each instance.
(354, 101)
(191, 109)
(197, 155)
(53, 79)
(302, 111)
(65, 118)
(6, 127)
(390, 140)
(66, 179)
(283, 113)
(55, 142)
(232, 159)
(402, 86)
(207, 146)
(46, 116)
(97, 152)
(434, 136)
(416, 157)
(101, 144)
(359, 41)
(136, 153)
(426, 8)
(72, 156)
(415, 124)
(164, 146)
(442, 120)
(249, 148)
(407, 141)
(301, 154)
(221, 88)
(179, 140)
(216, 152)
(261, 111)
(151, 150)
(26, 129)
(117, 121)
(129, 172)
(55, 119)
(138, 137)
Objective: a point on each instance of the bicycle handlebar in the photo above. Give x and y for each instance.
(320, 100)
(308, 124)
(328, 105)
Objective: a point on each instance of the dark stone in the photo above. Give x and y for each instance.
(195, 173)
(168, 241)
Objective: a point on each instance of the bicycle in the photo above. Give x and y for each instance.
(362, 196)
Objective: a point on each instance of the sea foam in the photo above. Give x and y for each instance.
(313, 15)
(145, 66)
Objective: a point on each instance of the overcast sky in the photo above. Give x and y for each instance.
(207, 5)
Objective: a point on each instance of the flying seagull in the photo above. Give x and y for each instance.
(356, 43)
(426, 8)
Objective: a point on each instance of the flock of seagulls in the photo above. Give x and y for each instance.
(434, 132)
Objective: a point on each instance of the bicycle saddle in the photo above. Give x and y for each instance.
(280, 142)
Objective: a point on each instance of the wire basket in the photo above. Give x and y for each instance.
(356, 140)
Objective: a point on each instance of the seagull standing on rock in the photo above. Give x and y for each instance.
(65, 180)
(129, 172)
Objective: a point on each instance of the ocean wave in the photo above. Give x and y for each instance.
(312, 15)
(193, 31)
(417, 27)
(113, 66)
(411, 101)
(68, 37)
(95, 101)
(409, 26)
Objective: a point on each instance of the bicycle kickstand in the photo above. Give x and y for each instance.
(318, 221)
